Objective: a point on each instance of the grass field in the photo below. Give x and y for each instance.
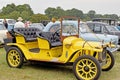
(51, 72)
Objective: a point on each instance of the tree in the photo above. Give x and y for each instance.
(13, 11)
(86, 17)
(25, 15)
(50, 12)
(38, 18)
(58, 12)
(98, 16)
(75, 12)
(91, 14)
(25, 11)
(25, 7)
(112, 16)
(13, 15)
(8, 9)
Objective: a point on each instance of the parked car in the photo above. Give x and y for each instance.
(103, 28)
(10, 27)
(3, 32)
(86, 34)
(44, 22)
(37, 25)
(88, 58)
(10, 23)
(109, 21)
(118, 27)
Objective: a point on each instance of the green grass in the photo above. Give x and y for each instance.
(49, 72)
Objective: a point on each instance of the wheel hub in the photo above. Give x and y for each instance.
(86, 68)
(14, 57)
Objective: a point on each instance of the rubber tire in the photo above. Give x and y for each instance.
(20, 54)
(91, 58)
(112, 61)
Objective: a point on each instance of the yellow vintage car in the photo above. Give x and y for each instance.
(87, 57)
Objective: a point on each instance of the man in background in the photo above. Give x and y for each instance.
(19, 23)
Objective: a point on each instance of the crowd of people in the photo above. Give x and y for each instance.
(19, 23)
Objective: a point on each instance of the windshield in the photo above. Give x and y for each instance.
(84, 28)
(111, 28)
(69, 28)
(11, 21)
(10, 27)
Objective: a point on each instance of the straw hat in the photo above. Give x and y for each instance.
(19, 19)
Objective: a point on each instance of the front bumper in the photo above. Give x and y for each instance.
(114, 49)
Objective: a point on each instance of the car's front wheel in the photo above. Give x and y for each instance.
(110, 61)
(86, 68)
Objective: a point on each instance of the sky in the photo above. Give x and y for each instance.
(39, 6)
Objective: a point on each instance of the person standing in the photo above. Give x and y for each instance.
(5, 23)
(19, 23)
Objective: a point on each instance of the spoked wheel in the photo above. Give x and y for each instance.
(86, 68)
(109, 61)
(14, 57)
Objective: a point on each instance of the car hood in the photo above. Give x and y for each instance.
(116, 33)
(78, 43)
(99, 37)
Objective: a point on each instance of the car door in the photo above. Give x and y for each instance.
(105, 30)
(91, 26)
(98, 28)
(3, 32)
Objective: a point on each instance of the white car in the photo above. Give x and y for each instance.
(3, 33)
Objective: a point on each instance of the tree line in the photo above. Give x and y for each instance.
(25, 11)
(13, 12)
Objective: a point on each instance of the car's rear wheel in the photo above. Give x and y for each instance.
(86, 68)
(14, 57)
(110, 61)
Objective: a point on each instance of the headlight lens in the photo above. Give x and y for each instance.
(104, 54)
(102, 44)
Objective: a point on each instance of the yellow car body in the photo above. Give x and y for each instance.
(72, 46)
(87, 57)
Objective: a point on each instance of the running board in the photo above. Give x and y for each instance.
(35, 50)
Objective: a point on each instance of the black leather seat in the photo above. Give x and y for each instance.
(49, 37)
(28, 33)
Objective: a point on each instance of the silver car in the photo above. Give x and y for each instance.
(40, 26)
(85, 33)
(103, 28)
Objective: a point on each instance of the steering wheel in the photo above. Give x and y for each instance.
(56, 35)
